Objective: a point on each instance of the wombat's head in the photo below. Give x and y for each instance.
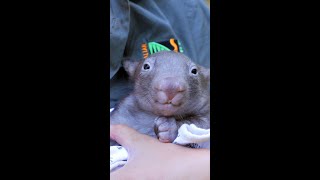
(169, 84)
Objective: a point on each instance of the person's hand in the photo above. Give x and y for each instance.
(151, 159)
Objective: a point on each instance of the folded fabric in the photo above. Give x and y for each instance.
(188, 135)
(118, 157)
(192, 136)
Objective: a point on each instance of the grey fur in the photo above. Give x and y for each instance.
(141, 109)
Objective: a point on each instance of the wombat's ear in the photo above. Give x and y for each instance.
(130, 67)
(205, 72)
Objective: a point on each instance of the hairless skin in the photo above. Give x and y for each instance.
(144, 151)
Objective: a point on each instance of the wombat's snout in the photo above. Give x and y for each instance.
(170, 90)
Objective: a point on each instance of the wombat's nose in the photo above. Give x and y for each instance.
(170, 86)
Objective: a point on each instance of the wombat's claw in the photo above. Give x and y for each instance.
(166, 129)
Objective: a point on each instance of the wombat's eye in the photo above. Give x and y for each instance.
(146, 66)
(194, 71)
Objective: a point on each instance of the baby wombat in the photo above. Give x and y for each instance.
(169, 90)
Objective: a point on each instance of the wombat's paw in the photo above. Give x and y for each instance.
(166, 129)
